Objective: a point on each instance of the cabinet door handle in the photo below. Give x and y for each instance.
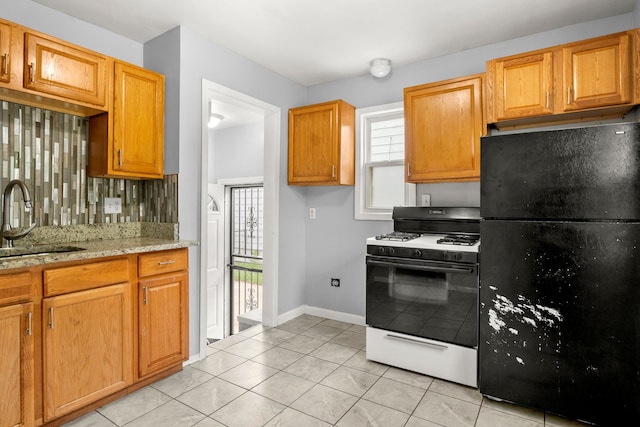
(119, 156)
(333, 171)
(5, 64)
(408, 169)
(171, 261)
(32, 72)
(29, 317)
(547, 101)
(50, 317)
(569, 95)
(145, 295)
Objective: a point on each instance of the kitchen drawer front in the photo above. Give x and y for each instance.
(16, 287)
(163, 262)
(441, 360)
(86, 276)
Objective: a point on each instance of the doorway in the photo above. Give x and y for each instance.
(246, 256)
(271, 117)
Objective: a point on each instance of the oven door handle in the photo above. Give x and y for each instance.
(428, 344)
(437, 268)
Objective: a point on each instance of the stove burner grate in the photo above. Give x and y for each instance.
(398, 236)
(462, 240)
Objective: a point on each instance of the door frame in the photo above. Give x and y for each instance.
(271, 168)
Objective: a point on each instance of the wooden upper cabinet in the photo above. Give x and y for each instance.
(129, 142)
(57, 68)
(443, 125)
(322, 144)
(523, 85)
(5, 52)
(589, 79)
(597, 73)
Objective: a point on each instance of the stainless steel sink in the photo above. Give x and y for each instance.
(37, 250)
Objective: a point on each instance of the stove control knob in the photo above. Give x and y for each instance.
(382, 250)
(391, 251)
(417, 253)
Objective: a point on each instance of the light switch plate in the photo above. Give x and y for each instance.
(426, 200)
(112, 205)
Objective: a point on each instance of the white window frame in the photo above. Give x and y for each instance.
(362, 184)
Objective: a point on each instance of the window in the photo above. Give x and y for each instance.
(380, 162)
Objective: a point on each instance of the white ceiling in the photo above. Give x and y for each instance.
(312, 42)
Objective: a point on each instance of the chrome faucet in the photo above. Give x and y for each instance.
(8, 234)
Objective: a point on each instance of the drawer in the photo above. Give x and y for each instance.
(163, 262)
(86, 276)
(16, 287)
(437, 359)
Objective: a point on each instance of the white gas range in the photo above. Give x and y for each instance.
(422, 293)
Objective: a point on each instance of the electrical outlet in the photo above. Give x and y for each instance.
(426, 200)
(112, 205)
(312, 213)
(335, 283)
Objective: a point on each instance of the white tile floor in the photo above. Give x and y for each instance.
(309, 371)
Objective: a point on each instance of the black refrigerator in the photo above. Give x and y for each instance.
(560, 271)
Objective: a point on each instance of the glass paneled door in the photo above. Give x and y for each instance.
(247, 212)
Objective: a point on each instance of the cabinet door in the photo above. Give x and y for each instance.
(443, 126)
(64, 70)
(16, 366)
(523, 86)
(5, 46)
(138, 122)
(597, 73)
(322, 144)
(87, 347)
(163, 324)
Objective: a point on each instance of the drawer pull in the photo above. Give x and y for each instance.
(50, 317)
(145, 295)
(171, 261)
(5, 64)
(428, 344)
(29, 318)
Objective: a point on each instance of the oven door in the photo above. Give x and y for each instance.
(429, 299)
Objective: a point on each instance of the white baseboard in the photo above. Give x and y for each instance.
(321, 312)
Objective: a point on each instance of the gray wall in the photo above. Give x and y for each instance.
(49, 21)
(200, 59)
(236, 152)
(335, 241)
(310, 251)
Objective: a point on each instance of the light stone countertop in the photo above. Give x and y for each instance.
(95, 249)
(97, 241)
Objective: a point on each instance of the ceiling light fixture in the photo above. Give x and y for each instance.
(380, 67)
(214, 120)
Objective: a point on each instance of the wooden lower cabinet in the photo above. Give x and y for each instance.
(163, 323)
(16, 366)
(87, 347)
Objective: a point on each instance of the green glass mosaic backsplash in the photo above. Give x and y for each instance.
(48, 151)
